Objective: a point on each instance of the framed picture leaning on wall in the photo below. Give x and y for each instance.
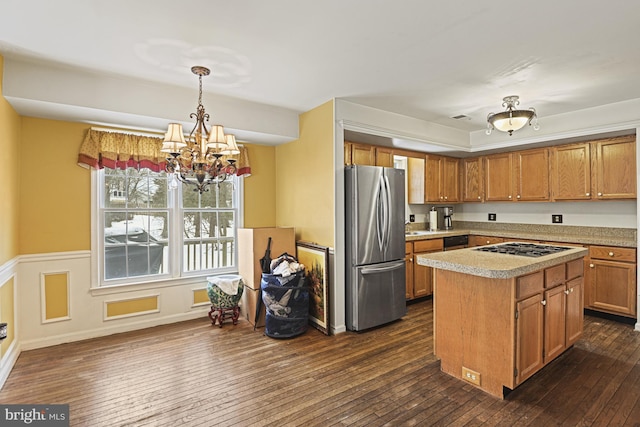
(316, 265)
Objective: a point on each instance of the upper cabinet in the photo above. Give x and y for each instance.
(571, 172)
(498, 177)
(597, 170)
(384, 157)
(532, 175)
(369, 155)
(442, 179)
(603, 169)
(450, 184)
(615, 168)
(359, 154)
(472, 179)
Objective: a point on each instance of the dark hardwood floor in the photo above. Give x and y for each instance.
(195, 374)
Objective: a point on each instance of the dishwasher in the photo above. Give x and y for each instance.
(455, 242)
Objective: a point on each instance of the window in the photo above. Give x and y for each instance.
(147, 232)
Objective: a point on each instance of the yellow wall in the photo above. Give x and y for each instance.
(55, 195)
(9, 187)
(305, 178)
(259, 188)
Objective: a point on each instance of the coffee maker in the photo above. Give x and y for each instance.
(445, 217)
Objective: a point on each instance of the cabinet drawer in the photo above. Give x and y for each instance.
(529, 285)
(484, 240)
(575, 268)
(554, 276)
(612, 253)
(408, 247)
(428, 245)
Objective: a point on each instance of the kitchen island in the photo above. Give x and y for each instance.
(499, 318)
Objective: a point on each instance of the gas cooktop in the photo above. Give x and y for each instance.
(522, 249)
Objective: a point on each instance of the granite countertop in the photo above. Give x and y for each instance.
(622, 237)
(495, 265)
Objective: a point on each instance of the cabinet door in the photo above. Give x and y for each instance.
(532, 175)
(450, 180)
(571, 172)
(615, 171)
(554, 322)
(362, 154)
(422, 278)
(612, 287)
(575, 310)
(472, 180)
(498, 171)
(415, 180)
(529, 337)
(384, 157)
(408, 259)
(432, 178)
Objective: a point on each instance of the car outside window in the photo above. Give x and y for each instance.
(148, 232)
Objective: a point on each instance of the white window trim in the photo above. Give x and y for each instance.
(174, 277)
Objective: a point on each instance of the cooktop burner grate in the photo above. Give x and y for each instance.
(522, 249)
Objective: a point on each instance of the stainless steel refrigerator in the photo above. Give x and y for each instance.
(375, 267)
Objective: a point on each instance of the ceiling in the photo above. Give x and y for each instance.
(423, 59)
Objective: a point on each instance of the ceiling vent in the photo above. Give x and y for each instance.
(461, 116)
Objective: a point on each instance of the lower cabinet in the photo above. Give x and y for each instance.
(408, 260)
(419, 277)
(611, 285)
(549, 315)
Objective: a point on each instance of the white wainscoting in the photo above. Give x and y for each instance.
(86, 305)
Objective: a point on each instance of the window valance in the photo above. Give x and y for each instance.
(118, 150)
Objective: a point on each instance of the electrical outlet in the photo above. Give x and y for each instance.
(492, 217)
(471, 376)
(556, 219)
(412, 218)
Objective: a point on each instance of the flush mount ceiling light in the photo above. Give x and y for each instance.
(511, 119)
(197, 160)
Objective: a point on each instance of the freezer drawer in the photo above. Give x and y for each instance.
(375, 295)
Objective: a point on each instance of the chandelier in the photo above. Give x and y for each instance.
(197, 160)
(511, 119)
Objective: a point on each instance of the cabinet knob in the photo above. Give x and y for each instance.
(445, 197)
(587, 194)
(411, 259)
(518, 196)
(479, 197)
(591, 265)
(509, 196)
(566, 292)
(488, 241)
(543, 302)
(599, 194)
(610, 253)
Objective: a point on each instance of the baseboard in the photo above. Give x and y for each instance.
(101, 332)
(8, 361)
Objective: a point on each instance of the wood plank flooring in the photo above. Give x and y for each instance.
(195, 374)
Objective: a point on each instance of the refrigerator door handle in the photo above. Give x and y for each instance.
(387, 227)
(380, 214)
(375, 270)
